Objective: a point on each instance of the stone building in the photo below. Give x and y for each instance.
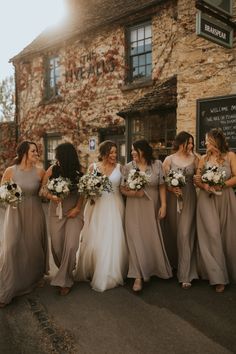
(119, 70)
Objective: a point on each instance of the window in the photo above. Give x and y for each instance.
(115, 134)
(50, 143)
(140, 51)
(52, 77)
(159, 129)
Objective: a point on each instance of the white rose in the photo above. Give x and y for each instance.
(58, 189)
(132, 185)
(174, 182)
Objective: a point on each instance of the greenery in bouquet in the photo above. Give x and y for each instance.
(176, 178)
(213, 176)
(92, 185)
(59, 186)
(136, 179)
(10, 193)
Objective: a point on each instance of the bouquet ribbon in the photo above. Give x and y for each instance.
(179, 204)
(59, 210)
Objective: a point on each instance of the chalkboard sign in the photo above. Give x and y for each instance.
(216, 112)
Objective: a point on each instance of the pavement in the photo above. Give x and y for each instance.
(162, 319)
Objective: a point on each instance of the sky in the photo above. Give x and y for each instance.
(21, 21)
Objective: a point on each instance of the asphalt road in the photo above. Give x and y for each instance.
(163, 319)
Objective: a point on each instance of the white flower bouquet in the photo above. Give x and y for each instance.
(10, 193)
(214, 176)
(59, 187)
(136, 179)
(92, 185)
(175, 178)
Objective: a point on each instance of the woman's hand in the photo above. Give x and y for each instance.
(162, 212)
(177, 191)
(53, 198)
(139, 194)
(131, 193)
(72, 213)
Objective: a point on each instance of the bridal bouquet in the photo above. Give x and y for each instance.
(176, 179)
(136, 179)
(59, 187)
(91, 185)
(214, 176)
(10, 193)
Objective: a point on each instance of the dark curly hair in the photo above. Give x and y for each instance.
(105, 148)
(182, 138)
(23, 149)
(146, 149)
(68, 165)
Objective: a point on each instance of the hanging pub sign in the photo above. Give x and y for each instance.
(225, 6)
(216, 31)
(216, 112)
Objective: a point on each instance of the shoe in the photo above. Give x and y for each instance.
(2, 305)
(138, 285)
(220, 288)
(64, 291)
(186, 285)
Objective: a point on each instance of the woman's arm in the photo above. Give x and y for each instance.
(7, 175)
(198, 176)
(131, 193)
(72, 213)
(44, 192)
(231, 182)
(162, 210)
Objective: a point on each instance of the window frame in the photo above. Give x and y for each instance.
(129, 56)
(52, 90)
(47, 138)
(144, 121)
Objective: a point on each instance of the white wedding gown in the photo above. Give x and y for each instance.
(102, 256)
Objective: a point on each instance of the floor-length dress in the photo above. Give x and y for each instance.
(147, 255)
(65, 233)
(216, 226)
(102, 255)
(24, 251)
(180, 226)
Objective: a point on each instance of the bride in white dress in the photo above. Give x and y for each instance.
(102, 256)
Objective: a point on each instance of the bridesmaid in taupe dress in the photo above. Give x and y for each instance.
(216, 215)
(23, 255)
(65, 231)
(144, 209)
(180, 221)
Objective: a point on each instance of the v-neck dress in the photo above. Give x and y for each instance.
(180, 226)
(102, 254)
(216, 225)
(147, 254)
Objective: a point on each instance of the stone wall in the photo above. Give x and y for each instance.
(205, 69)
(7, 145)
(93, 86)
